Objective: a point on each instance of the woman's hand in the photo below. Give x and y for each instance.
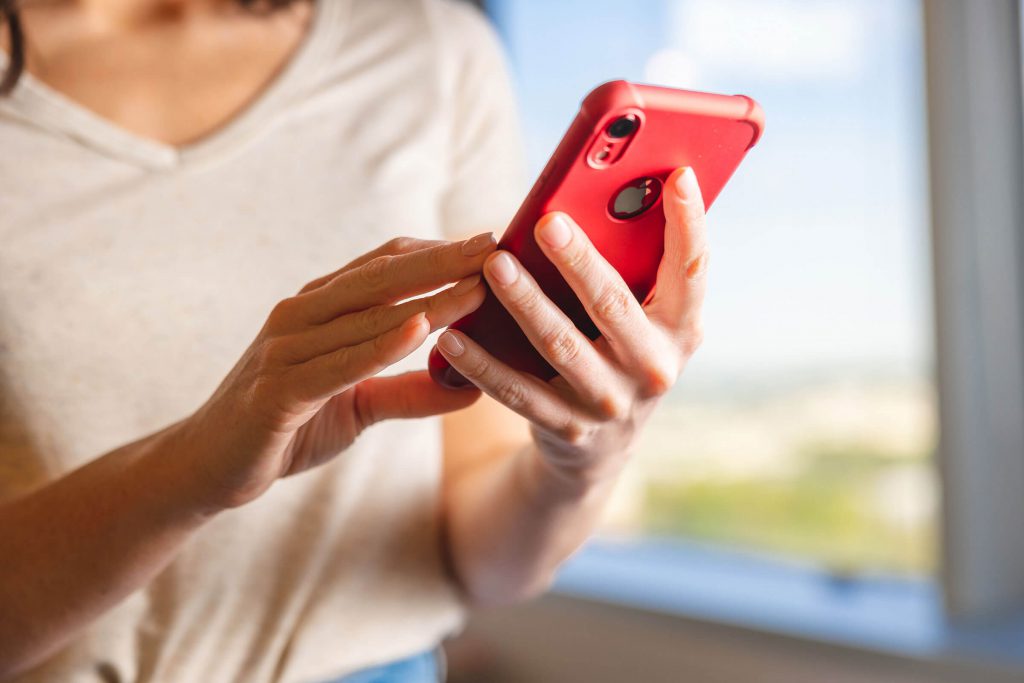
(585, 420)
(305, 388)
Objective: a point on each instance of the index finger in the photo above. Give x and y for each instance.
(390, 278)
(679, 290)
(398, 245)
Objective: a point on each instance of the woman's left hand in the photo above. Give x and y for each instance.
(585, 420)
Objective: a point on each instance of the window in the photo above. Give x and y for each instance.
(806, 424)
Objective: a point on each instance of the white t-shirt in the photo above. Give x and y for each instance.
(134, 274)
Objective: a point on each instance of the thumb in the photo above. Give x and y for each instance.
(412, 394)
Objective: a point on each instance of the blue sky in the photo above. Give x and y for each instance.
(820, 247)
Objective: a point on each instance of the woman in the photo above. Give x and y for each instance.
(171, 170)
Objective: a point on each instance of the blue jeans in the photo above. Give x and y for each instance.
(421, 668)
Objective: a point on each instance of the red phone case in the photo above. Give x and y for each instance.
(708, 132)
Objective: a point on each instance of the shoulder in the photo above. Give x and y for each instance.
(463, 34)
(452, 19)
(423, 52)
(450, 31)
(458, 23)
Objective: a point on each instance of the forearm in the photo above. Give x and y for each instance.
(511, 521)
(76, 547)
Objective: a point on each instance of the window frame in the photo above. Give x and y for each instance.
(976, 159)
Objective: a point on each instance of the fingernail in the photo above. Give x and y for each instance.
(464, 286)
(503, 269)
(478, 245)
(555, 231)
(686, 185)
(451, 344)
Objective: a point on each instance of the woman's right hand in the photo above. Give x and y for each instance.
(305, 388)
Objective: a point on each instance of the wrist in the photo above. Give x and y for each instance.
(559, 484)
(173, 466)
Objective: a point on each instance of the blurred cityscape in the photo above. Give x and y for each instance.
(837, 471)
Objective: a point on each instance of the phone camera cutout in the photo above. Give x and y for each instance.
(613, 139)
(623, 127)
(634, 198)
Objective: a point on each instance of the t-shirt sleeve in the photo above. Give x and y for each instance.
(486, 179)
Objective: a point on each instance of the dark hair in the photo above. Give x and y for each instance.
(16, 64)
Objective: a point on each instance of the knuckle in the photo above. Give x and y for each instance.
(345, 367)
(381, 346)
(437, 258)
(283, 313)
(698, 265)
(562, 346)
(436, 308)
(474, 367)
(314, 284)
(574, 432)
(435, 303)
(611, 408)
(400, 245)
(362, 408)
(375, 319)
(375, 272)
(613, 304)
(511, 393)
(525, 300)
(578, 258)
(656, 379)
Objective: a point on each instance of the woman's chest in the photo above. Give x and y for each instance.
(125, 297)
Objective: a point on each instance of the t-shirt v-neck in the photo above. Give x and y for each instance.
(47, 107)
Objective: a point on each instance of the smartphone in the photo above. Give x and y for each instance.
(607, 174)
